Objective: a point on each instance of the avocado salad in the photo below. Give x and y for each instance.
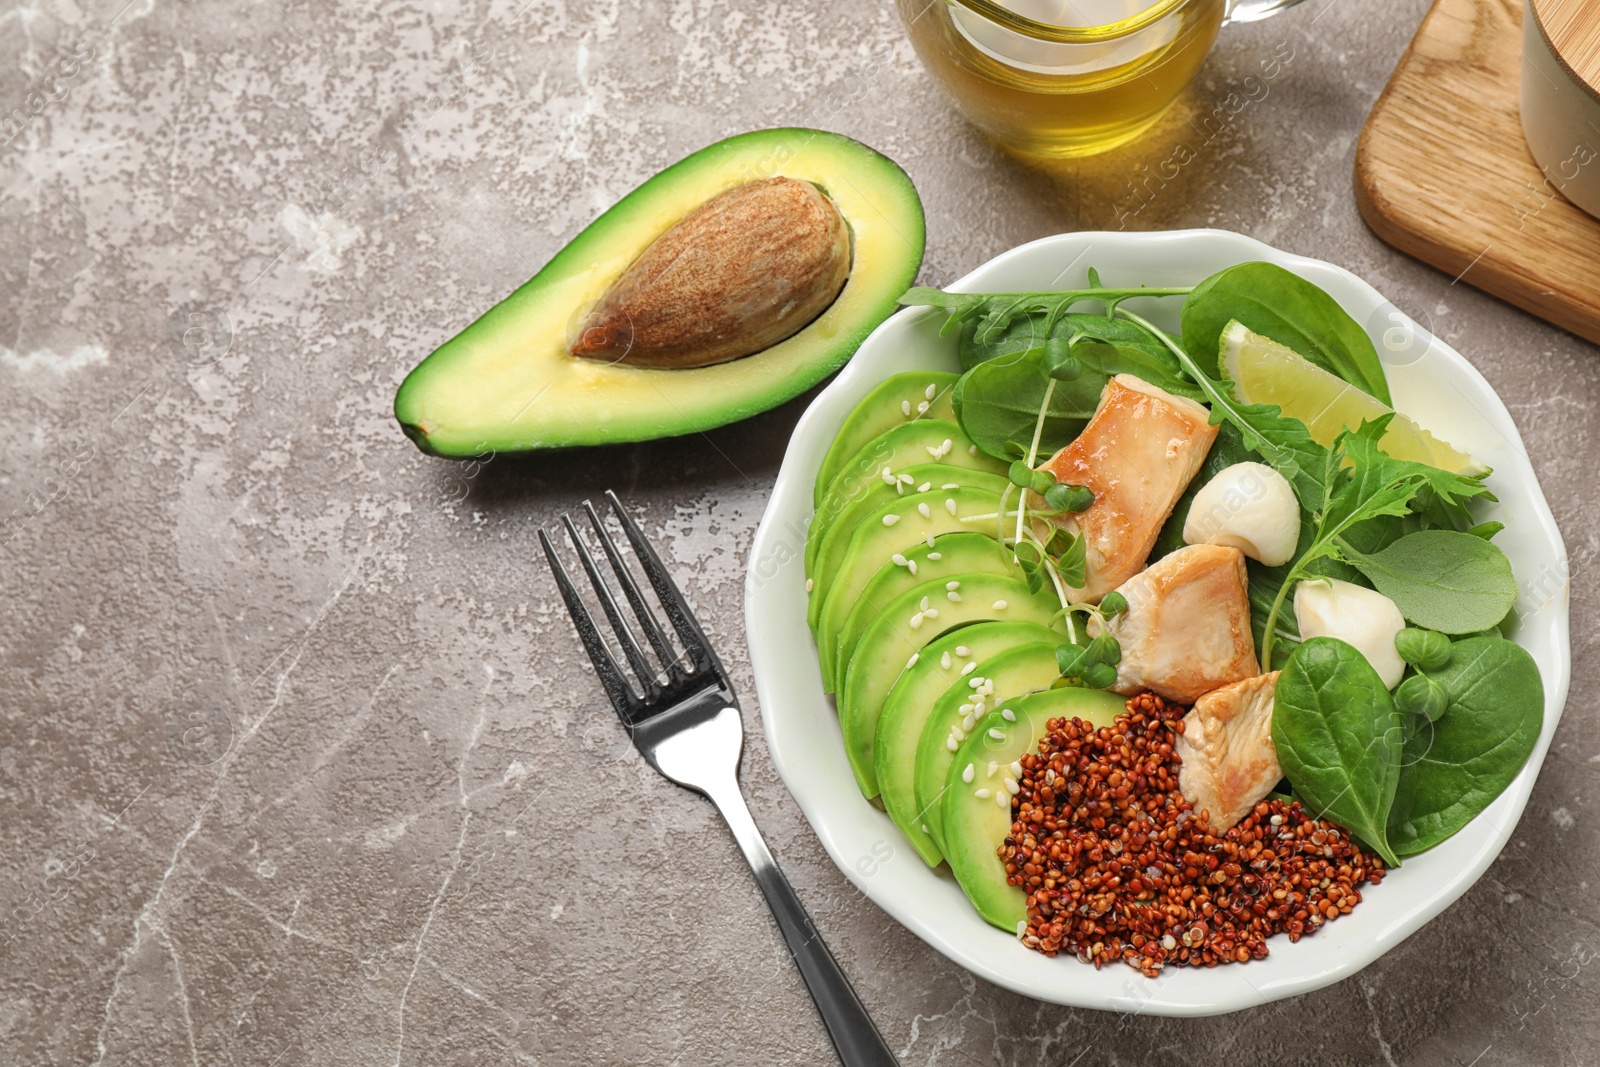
(1165, 642)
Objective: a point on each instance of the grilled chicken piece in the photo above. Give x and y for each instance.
(1187, 627)
(1138, 454)
(1229, 762)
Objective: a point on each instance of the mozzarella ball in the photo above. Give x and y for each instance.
(1248, 506)
(1356, 615)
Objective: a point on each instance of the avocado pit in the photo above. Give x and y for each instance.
(745, 270)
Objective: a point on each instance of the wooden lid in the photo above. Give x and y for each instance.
(1573, 29)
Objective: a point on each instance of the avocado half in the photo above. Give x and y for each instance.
(508, 383)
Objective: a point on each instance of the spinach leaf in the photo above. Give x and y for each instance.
(1455, 768)
(1339, 738)
(1442, 580)
(998, 404)
(1285, 307)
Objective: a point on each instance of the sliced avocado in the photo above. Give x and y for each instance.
(845, 568)
(916, 443)
(952, 554)
(977, 813)
(941, 667)
(898, 399)
(909, 622)
(507, 383)
(1012, 674)
(847, 512)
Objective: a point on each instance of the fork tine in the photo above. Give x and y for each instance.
(611, 677)
(630, 590)
(677, 608)
(630, 648)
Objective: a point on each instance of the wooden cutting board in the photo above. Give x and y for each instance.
(1443, 173)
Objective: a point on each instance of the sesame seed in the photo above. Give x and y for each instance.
(1022, 927)
(979, 708)
(969, 721)
(932, 613)
(974, 683)
(995, 733)
(890, 520)
(912, 567)
(951, 743)
(905, 408)
(927, 539)
(924, 604)
(912, 662)
(931, 392)
(954, 597)
(923, 488)
(888, 476)
(952, 585)
(968, 669)
(922, 509)
(944, 449)
(993, 766)
(1011, 786)
(922, 408)
(963, 651)
(898, 560)
(933, 450)
(935, 556)
(967, 775)
(1003, 799)
(905, 479)
(916, 620)
(809, 584)
(965, 709)
(999, 605)
(1016, 769)
(972, 450)
(1008, 715)
(951, 485)
(950, 505)
(983, 794)
(944, 661)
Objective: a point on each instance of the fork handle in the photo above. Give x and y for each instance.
(855, 1036)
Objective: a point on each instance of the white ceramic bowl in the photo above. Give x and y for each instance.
(1430, 382)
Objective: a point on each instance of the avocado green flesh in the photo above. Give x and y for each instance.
(1014, 673)
(897, 450)
(874, 543)
(953, 554)
(832, 615)
(508, 384)
(846, 512)
(975, 827)
(888, 644)
(915, 693)
(896, 400)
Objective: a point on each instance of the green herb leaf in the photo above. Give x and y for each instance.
(1060, 542)
(1113, 604)
(1073, 564)
(1070, 658)
(998, 403)
(1042, 481)
(1065, 497)
(1292, 311)
(1104, 649)
(1421, 695)
(1099, 676)
(1456, 767)
(1020, 473)
(1339, 738)
(1456, 583)
(1426, 650)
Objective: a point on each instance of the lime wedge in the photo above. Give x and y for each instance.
(1265, 372)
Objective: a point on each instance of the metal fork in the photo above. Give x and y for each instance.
(684, 720)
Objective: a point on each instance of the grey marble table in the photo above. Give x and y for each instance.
(298, 763)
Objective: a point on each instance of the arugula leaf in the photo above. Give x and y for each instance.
(1292, 311)
(1456, 583)
(1339, 738)
(998, 404)
(1456, 767)
(1073, 564)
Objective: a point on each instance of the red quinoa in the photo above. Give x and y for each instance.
(1117, 865)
